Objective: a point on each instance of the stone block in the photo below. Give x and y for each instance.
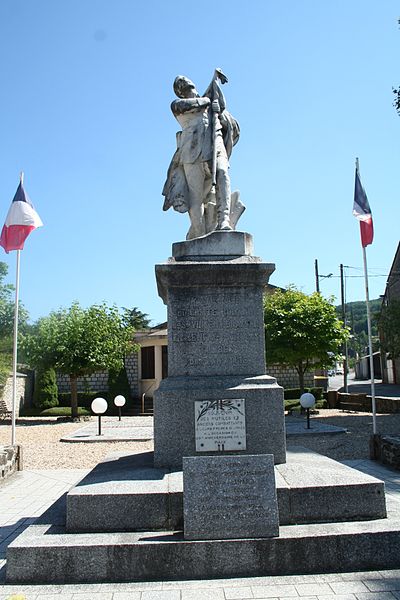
(218, 245)
(174, 410)
(320, 489)
(125, 493)
(229, 497)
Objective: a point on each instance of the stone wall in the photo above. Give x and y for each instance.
(363, 403)
(287, 377)
(24, 392)
(99, 381)
(386, 449)
(10, 461)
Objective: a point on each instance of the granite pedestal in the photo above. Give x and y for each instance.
(216, 347)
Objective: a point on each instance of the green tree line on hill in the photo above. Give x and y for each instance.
(356, 320)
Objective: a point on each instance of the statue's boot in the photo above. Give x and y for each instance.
(223, 217)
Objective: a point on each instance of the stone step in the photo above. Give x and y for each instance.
(45, 553)
(126, 493)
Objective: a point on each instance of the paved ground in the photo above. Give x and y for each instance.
(362, 386)
(29, 493)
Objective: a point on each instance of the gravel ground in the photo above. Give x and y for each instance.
(42, 448)
(353, 444)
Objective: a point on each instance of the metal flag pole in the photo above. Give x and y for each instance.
(15, 343)
(371, 358)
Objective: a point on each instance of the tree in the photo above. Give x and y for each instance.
(389, 328)
(396, 92)
(46, 391)
(302, 331)
(134, 317)
(79, 342)
(7, 308)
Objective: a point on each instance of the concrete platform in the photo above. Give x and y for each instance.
(309, 486)
(129, 429)
(45, 553)
(126, 493)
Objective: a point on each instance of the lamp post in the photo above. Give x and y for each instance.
(307, 401)
(120, 402)
(99, 407)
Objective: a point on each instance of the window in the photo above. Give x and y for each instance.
(164, 358)
(147, 355)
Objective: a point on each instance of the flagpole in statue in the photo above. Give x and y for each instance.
(20, 221)
(362, 211)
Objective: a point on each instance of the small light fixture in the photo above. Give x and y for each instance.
(120, 402)
(99, 407)
(307, 401)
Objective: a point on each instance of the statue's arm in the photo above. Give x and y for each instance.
(179, 107)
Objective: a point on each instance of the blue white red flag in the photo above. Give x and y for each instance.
(20, 221)
(362, 211)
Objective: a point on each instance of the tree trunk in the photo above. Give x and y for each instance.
(300, 371)
(74, 397)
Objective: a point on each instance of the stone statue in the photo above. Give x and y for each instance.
(198, 179)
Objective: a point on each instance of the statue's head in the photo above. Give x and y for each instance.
(184, 88)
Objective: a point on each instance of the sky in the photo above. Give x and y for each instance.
(86, 88)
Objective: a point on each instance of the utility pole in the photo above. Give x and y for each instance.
(344, 321)
(316, 275)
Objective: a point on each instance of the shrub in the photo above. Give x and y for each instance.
(85, 399)
(5, 367)
(63, 411)
(294, 393)
(46, 391)
(118, 384)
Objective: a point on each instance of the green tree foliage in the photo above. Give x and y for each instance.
(389, 327)
(46, 391)
(133, 317)
(7, 309)
(118, 384)
(356, 319)
(79, 342)
(302, 331)
(396, 92)
(7, 324)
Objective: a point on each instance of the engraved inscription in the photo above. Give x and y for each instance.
(220, 425)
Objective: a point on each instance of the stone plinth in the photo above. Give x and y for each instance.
(175, 420)
(216, 348)
(229, 497)
(218, 245)
(215, 316)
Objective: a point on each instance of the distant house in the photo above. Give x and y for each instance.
(391, 365)
(152, 358)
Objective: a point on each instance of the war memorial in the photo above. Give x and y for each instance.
(222, 495)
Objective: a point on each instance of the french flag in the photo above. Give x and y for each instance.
(21, 220)
(362, 212)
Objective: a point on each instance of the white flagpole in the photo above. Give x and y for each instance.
(371, 358)
(15, 351)
(15, 345)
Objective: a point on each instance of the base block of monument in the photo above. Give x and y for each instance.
(45, 553)
(125, 493)
(175, 411)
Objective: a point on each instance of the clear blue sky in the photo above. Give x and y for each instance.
(85, 112)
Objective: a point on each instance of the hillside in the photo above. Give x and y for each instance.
(356, 315)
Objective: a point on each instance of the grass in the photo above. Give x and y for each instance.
(56, 411)
(294, 405)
